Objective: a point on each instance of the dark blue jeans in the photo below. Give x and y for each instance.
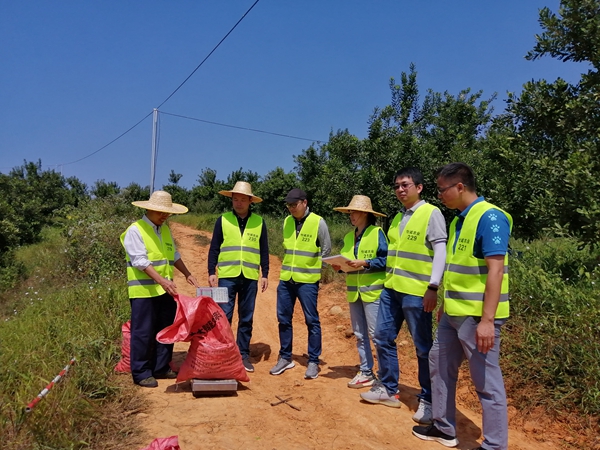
(148, 316)
(394, 309)
(245, 290)
(287, 293)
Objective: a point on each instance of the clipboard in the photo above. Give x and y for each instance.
(341, 261)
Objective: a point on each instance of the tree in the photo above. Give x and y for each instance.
(408, 132)
(134, 192)
(103, 189)
(551, 150)
(29, 200)
(174, 177)
(78, 189)
(574, 36)
(202, 194)
(273, 188)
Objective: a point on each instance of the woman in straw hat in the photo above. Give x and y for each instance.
(151, 255)
(366, 249)
(240, 249)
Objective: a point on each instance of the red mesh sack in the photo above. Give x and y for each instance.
(170, 443)
(213, 353)
(124, 365)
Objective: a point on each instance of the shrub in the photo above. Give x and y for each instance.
(93, 237)
(551, 352)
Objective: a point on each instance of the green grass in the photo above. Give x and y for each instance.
(551, 352)
(57, 313)
(81, 321)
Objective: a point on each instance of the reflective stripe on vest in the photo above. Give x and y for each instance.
(240, 254)
(160, 254)
(367, 283)
(409, 260)
(302, 257)
(465, 276)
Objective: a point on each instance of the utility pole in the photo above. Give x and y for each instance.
(154, 144)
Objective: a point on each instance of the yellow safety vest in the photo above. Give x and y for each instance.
(465, 276)
(160, 254)
(240, 253)
(365, 282)
(410, 261)
(302, 257)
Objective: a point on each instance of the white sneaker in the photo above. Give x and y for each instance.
(423, 414)
(378, 394)
(361, 380)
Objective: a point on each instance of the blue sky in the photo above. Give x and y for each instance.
(77, 74)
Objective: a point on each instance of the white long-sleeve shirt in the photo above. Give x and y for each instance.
(135, 248)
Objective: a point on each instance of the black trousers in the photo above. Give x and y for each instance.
(149, 316)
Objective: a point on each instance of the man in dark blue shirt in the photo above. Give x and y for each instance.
(239, 247)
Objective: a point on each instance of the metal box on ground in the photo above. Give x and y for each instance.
(209, 388)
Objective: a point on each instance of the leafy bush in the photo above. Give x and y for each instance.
(551, 352)
(53, 317)
(93, 237)
(29, 197)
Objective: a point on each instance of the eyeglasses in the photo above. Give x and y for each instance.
(404, 186)
(442, 190)
(293, 205)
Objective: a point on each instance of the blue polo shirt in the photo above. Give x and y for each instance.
(493, 231)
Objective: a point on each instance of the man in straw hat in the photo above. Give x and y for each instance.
(151, 255)
(415, 264)
(366, 248)
(240, 249)
(305, 241)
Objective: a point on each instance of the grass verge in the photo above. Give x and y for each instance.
(57, 313)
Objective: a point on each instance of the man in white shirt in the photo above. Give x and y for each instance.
(151, 255)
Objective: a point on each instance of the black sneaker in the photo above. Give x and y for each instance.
(431, 433)
(149, 382)
(248, 365)
(168, 375)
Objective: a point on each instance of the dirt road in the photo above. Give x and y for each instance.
(331, 415)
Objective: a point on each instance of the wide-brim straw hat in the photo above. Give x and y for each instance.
(244, 188)
(161, 201)
(359, 203)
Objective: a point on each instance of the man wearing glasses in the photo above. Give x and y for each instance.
(305, 241)
(474, 309)
(415, 264)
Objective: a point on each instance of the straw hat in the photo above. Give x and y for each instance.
(161, 201)
(244, 188)
(359, 203)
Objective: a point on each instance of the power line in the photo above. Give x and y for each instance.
(172, 93)
(208, 56)
(241, 128)
(103, 147)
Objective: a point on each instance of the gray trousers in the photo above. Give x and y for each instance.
(455, 341)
